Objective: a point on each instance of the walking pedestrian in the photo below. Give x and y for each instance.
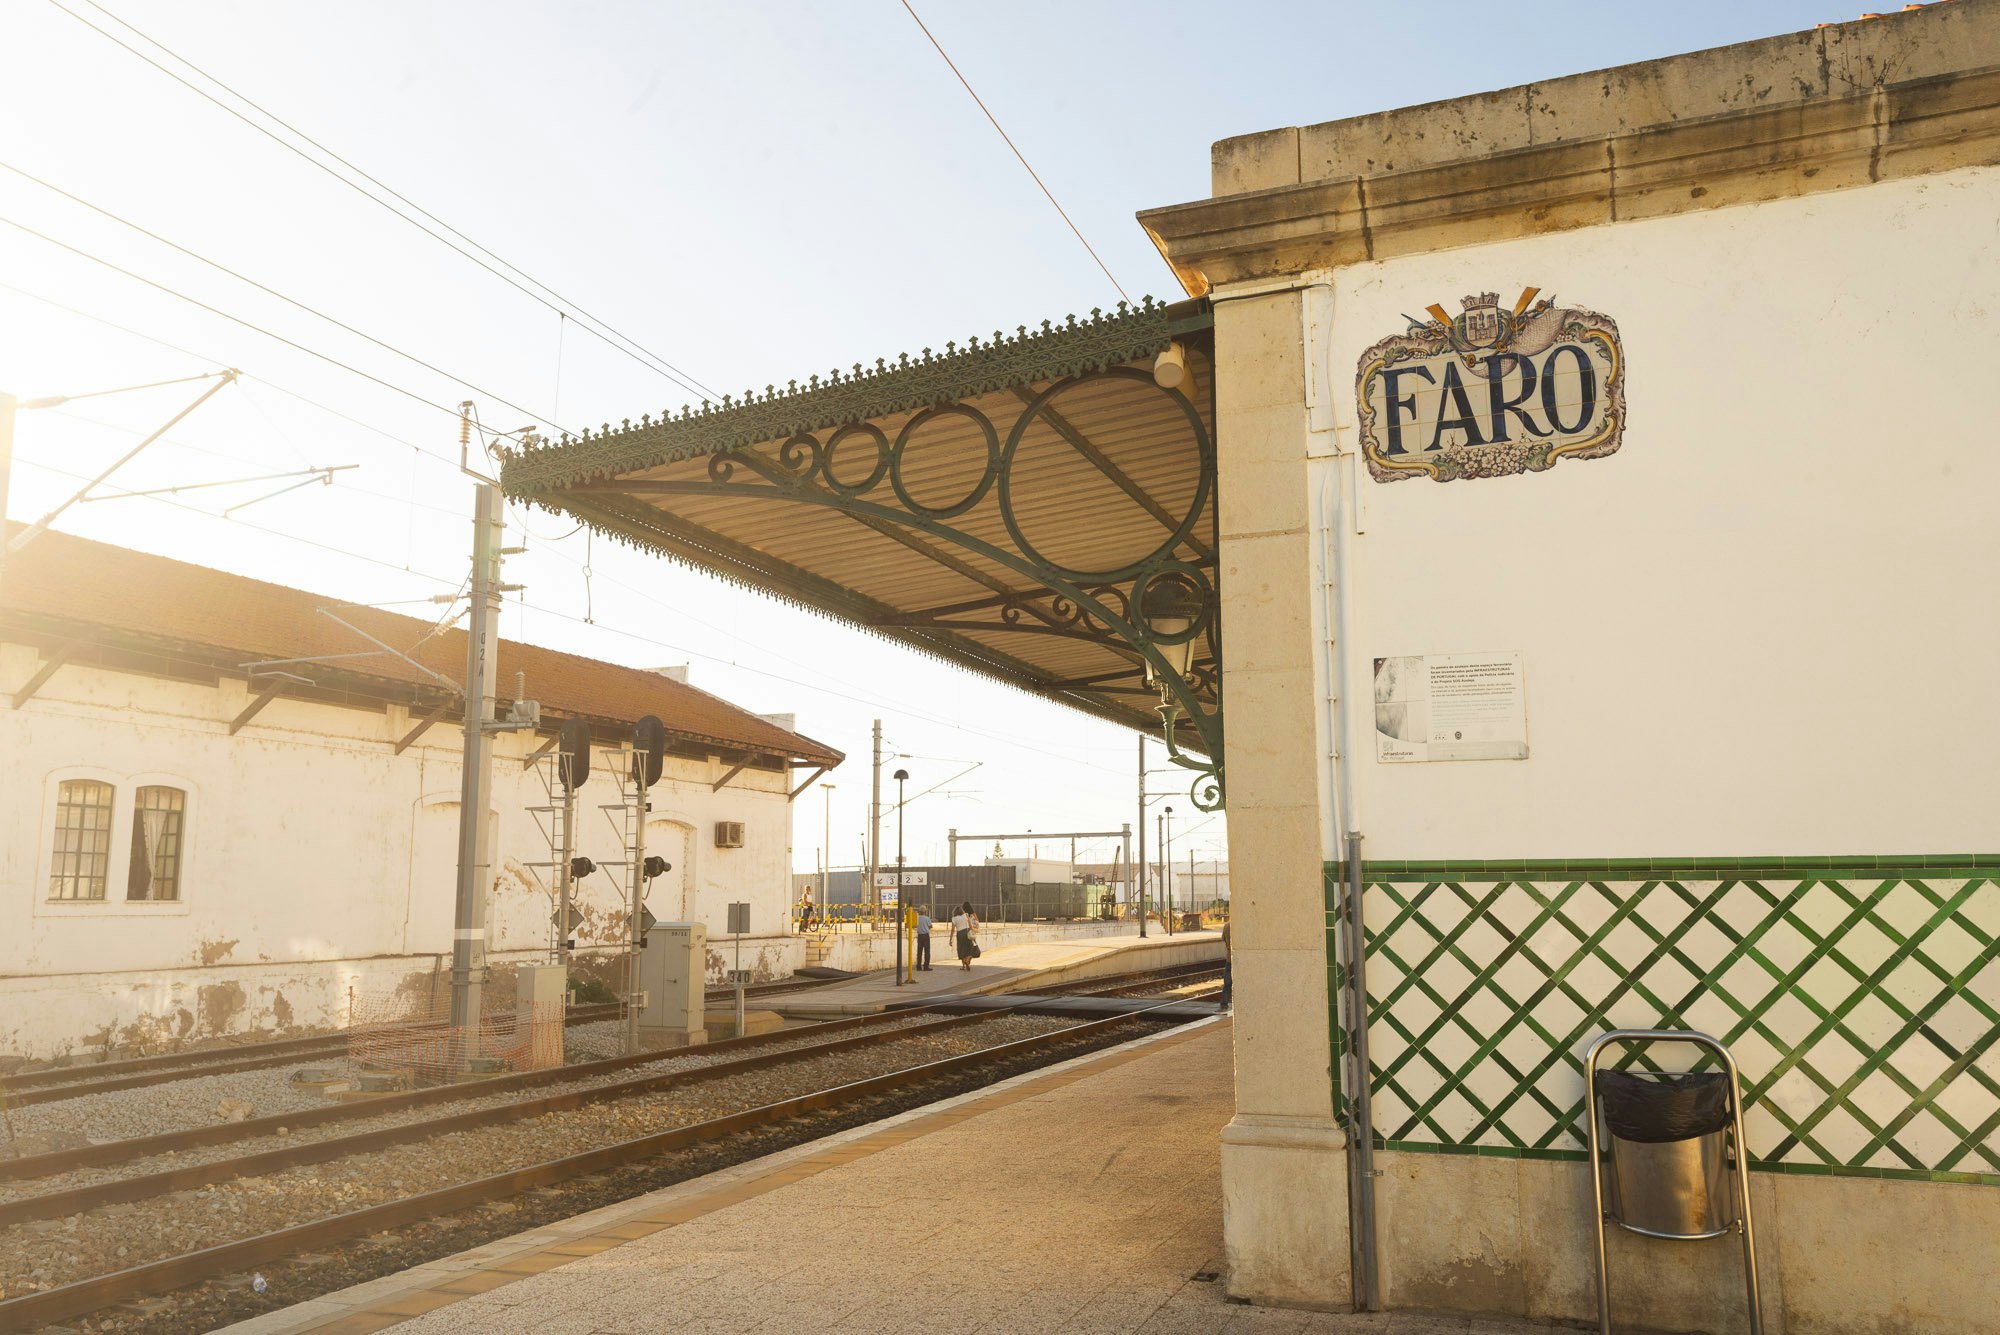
(806, 910)
(924, 937)
(962, 926)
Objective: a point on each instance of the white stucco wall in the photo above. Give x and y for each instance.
(1761, 627)
(314, 858)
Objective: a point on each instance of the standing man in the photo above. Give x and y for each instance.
(924, 937)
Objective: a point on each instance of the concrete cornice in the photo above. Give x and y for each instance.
(1747, 155)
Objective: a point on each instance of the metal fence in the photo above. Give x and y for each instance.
(411, 1038)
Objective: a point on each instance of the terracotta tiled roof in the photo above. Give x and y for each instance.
(86, 586)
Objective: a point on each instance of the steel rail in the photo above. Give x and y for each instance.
(84, 1296)
(216, 1133)
(68, 1082)
(58, 1204)
(168, 1142)
(1191, 974)
(58, 1075)
(141, 1072)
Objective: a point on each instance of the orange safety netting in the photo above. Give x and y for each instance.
(398, 1034)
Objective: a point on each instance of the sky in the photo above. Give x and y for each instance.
(750, 192)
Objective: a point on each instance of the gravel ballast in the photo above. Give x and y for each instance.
(135, 1112)
(47, 1253)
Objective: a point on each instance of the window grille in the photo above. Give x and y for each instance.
(158, 814)
(83, 840)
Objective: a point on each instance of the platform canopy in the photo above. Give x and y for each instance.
(1038, 508)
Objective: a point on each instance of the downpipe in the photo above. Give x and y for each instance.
(1361, 1175)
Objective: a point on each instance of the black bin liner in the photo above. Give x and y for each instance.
(1652, 1109)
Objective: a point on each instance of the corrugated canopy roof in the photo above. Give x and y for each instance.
(192, 619)
(999, 506)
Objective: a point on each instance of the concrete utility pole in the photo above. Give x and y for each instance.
(1125, 850)
(635, 918)
(475, 828)
(873, 895)
(565, 875)
(1139, 867)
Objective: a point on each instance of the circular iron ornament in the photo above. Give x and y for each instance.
(1173, 589)
(1204, 483)
(875, 475)
(986, 476)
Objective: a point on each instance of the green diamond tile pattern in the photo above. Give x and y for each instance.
(1860, 998)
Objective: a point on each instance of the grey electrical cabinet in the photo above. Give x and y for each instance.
(672, 971)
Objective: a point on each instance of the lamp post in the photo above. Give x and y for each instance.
(902, 777)
(826, 856)
(1169, 868)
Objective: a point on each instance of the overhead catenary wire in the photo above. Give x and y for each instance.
(586, 564)
(610, 336)
(247, 375)
(1019, 156)
(237, 319)
(270, 291)
(230, 519)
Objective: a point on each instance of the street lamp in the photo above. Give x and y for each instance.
(1169, 850)
(1170, 608)
(826, 853)
(902, 777)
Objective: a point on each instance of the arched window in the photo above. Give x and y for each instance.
(82, 861)
(158, 816)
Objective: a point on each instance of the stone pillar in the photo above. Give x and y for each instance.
(1284, 1168)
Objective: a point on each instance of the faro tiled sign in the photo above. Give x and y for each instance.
(1492, 391)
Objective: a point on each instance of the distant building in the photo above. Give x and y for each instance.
(224, 810)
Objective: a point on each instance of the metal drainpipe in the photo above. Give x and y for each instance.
(1361, 1125)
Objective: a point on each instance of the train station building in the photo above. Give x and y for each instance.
(238, 812)
(1573, 499)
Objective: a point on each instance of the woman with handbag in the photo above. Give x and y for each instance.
(963, 924)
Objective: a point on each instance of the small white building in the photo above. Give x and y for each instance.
(221, 810)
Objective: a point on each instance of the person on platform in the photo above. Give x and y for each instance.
(806, 910)
(924, 937)
(963, 925)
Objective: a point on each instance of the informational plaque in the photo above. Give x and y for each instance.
(1450, 707)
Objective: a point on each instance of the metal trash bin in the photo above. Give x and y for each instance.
(1677, 1168)
(1668, 1172)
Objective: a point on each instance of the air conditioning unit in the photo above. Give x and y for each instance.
(729, 834)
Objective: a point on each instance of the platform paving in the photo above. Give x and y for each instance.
(1001, 969)
(1082, 1198)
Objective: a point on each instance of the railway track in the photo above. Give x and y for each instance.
(68, 1082)
(832, 1043)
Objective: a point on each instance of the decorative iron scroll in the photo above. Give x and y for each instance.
(859, 470)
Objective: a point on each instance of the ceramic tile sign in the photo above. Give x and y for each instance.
(1492, 391)
(1450, 707)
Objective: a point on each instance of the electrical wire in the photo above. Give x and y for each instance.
(798, 682)
(237, 319)
(1019, 156)
(246, 375)
(270, 291)
(244, 523)
(650, 360)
